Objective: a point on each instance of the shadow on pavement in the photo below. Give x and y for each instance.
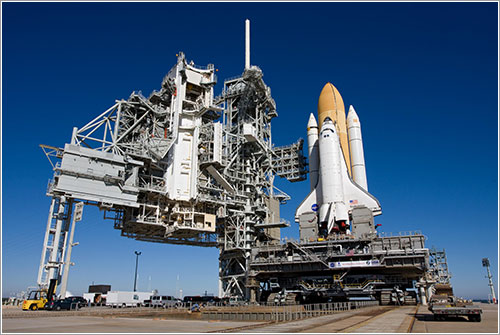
(430, 317)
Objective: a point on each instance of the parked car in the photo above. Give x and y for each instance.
(69, 303)
(147, 303)
(202, 300)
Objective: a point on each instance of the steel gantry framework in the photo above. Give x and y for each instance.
(252, 212)
(179, 167)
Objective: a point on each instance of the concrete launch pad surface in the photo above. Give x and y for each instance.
(382, 320)
(378, 319)
(342, 321)
(424, 322)
(91, 324)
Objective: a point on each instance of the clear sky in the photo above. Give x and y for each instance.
(423, 78)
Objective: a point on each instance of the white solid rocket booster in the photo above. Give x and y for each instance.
(356, 147)
(312, 142)
(333, 208)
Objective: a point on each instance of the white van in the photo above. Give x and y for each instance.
(126, 299)
(164, 301)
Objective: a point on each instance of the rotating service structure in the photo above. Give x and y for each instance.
(179, 167)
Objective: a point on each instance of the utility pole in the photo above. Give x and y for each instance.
(486, 264)
(177, 286)
(137, 254)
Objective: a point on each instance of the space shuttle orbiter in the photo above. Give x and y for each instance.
(335, 155)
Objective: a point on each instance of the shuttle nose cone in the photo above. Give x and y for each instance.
(327, 125)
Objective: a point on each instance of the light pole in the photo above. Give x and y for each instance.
(486, 264)
(137, 254)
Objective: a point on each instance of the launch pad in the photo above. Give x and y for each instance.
(342, 269)
(183, 166)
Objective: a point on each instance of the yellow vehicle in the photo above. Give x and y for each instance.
(36, 300)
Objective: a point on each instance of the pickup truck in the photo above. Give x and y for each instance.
(444, 306)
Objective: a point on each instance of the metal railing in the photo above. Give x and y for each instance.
(201, 67)
(400, 233)
(232, 78)
(283, 313)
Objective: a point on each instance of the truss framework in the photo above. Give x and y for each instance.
(180, 167)
(438, 266)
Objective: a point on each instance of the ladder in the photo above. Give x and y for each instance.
(54, 244)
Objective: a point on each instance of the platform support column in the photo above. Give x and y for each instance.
(423, 298)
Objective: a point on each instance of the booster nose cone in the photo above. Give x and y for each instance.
(312, 122)
(352, 115)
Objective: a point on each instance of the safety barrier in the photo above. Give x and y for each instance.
(283, 313)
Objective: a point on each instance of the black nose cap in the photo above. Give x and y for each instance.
(328, 119)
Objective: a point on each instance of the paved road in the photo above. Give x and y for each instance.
(311, 323)
(395, 321)
(91, 324)
(17, 312)
(424, 322)
(94, 324)
(327, 323)
(380, 319)
(385, 320)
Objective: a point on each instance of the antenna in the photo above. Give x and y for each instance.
(247, 44)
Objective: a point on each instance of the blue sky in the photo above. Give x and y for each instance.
(422, 77)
